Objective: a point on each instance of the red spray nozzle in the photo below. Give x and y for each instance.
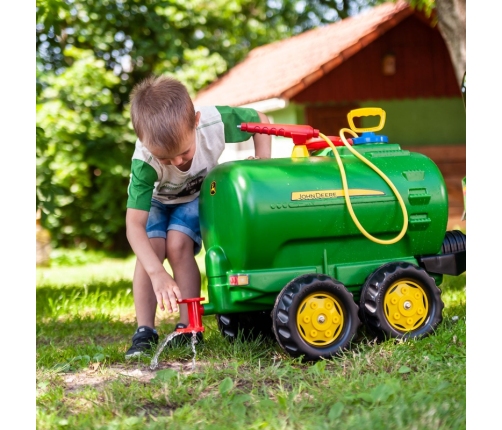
(195, 312)
(299, 133)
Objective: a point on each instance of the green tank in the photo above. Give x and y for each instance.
(285, 257)
(274, 219)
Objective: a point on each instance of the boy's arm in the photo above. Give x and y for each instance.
(232, 117)
(165, 288)
(262, 142)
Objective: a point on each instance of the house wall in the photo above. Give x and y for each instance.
(422, 99)
(421, 121)
(423, 69)
(408, 122)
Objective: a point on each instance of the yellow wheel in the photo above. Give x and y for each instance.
(400, 300)
(319, 319)
(405, 305)
(314, 316)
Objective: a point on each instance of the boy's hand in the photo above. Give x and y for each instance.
(262, 142)
(167, 291)
(252, 158)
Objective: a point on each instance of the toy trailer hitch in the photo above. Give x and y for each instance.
(195, 312)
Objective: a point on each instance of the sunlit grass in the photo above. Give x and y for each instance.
(99, 269)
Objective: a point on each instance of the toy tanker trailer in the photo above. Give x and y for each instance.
(311, 246)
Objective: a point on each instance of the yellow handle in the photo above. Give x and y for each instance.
(370, 111)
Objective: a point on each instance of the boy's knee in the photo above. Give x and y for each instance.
(178, 246)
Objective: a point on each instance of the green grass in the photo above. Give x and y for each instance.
(85, 319)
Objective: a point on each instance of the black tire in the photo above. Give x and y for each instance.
(296, 335)
(454, 241)
(245, 325)
(400, 300)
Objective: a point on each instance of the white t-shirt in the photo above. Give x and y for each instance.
(169, 185)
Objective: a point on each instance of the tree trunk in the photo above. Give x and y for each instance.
(451, 23)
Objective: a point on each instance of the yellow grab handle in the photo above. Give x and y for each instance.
(370, 111)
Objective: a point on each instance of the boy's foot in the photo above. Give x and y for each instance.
(184, 338)
(143, 340)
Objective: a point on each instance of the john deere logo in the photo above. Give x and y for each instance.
(331, 194)
(212, 188)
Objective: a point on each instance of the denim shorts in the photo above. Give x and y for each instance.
(182, 217)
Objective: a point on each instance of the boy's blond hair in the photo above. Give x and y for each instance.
(162, 112)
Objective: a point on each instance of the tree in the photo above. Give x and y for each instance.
(86, 149)
(90, 54)
(452, 24)
(451, 18)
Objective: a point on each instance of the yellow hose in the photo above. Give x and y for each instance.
(346, 188)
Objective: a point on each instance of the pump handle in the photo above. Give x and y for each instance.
(299, 133)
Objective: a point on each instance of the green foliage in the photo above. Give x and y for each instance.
(87, 148)
(426, 6)
(90, 54)
(47, 191)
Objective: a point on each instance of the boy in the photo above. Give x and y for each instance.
(176, 148)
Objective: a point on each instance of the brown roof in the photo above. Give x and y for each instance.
(282, 69)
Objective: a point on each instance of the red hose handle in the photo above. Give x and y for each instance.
(299, 133)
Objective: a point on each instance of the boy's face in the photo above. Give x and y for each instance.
(182, 157)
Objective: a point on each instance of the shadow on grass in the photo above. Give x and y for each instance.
(72, 344)
(78, 340)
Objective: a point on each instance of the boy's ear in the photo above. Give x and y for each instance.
(197, 117)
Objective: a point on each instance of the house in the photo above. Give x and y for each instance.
(390, 57)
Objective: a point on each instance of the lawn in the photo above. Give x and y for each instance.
(85, 319)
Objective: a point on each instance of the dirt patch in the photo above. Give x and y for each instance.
(96, 377)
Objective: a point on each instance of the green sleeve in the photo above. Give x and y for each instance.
(234, 116)
(140, 191)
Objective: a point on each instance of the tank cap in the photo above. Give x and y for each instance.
(370, 137)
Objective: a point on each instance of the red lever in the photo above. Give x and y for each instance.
(299, 133)
(195, 312)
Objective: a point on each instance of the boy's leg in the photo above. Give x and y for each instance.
(145, 304)
(180, 254)
(145, 301)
